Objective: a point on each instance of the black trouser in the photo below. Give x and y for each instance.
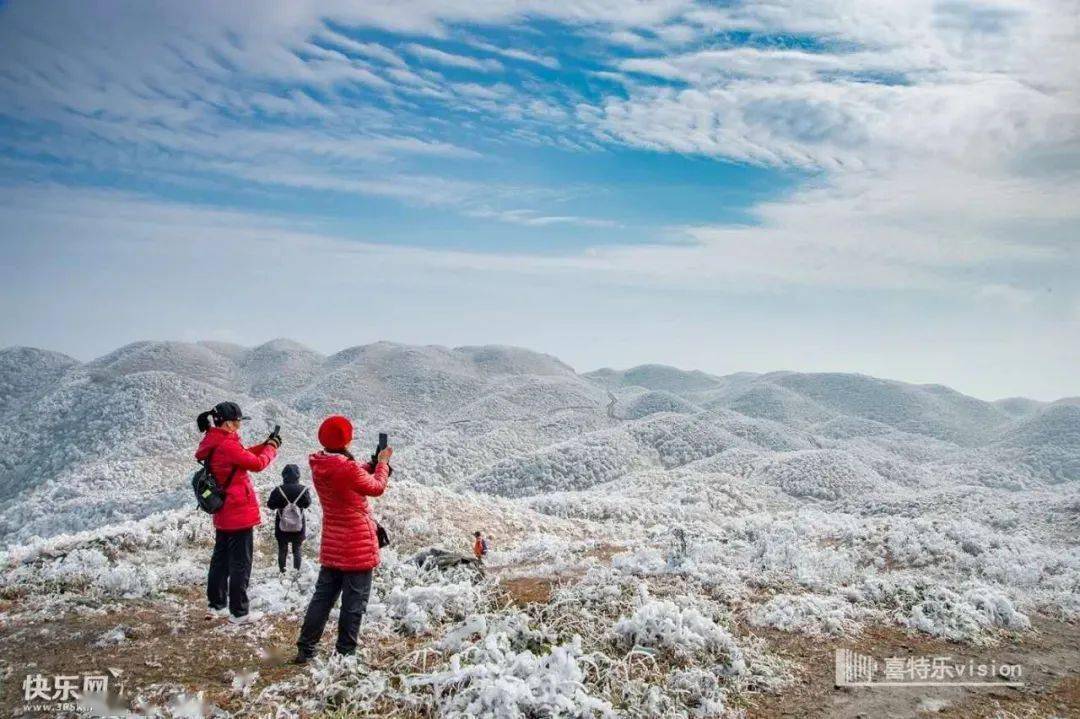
(230, 570)
(354, 588)
(283, 542)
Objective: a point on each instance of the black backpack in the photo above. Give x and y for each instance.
(208, 494)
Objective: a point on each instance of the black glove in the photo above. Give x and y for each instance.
(274, 438)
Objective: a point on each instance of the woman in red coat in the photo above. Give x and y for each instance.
(230, 462)
(350, 546)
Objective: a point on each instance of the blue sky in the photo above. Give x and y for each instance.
(881, 188)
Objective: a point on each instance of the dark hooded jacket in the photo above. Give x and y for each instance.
(289, 489)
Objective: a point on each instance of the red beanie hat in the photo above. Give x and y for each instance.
(335, 432)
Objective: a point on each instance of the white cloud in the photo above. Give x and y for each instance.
(517, 54)
(449, 59)
(371, 50)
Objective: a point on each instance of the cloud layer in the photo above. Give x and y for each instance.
(927, 149)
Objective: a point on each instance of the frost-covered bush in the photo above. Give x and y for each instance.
(490, 679)
(965, 617)
(417, 609)
(699, 689)
(90, 570)
(805, 613)
(781, 550)
(113, 637)
(683, 631)
(540, 547)
(644, 562)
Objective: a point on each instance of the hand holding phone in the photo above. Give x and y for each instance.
(382, 450)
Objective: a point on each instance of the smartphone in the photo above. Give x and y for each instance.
(380, 447)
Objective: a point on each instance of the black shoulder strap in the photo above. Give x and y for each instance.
(231, 475)
(206, 463)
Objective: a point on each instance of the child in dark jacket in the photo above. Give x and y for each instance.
(287, 498)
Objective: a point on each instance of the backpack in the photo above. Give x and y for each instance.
(484, 545)
(210, 497)
(291, 517)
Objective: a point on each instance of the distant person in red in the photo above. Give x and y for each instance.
(480, 545)
(350, 546)
(230, 462)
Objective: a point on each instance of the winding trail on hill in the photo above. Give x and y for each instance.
(611, 406)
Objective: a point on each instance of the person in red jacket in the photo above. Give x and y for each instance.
(230, 462)
(480, 545)
(350, 546)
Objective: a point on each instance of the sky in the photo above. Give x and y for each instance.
(891, 188)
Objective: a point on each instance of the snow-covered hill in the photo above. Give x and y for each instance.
(110, 440)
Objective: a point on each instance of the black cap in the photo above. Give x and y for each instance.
(228, 411)
(291, 473)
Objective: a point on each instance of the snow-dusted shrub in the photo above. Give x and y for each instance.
(539, 547)
(492, 680)
(515, 627)
(966, 617)
(114, 637)
(644, 562)
(895, 592)
(417, 609)
(90, 570)
(698, 689)
(777, 550)
(684, 631)
(805, 613)
(344, 683)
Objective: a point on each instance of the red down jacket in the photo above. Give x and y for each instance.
(241, 509)
(349, 541)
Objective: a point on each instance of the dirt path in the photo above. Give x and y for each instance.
(612, 401)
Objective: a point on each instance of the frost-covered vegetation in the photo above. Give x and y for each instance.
(648, 527)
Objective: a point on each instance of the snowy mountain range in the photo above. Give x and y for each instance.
(93, 443)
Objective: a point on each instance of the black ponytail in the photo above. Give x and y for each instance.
(203, 420)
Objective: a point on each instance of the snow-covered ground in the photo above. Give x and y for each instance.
(660, 536)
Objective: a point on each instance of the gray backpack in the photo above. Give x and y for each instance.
(292, 517)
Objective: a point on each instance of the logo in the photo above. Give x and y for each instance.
(861, 670)
(66, 693)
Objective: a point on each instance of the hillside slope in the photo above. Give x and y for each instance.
(111, 439)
